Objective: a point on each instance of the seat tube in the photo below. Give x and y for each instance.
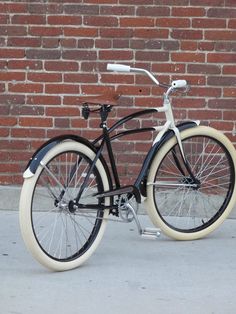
(110, 154)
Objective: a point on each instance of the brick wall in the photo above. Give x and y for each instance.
(52, 52)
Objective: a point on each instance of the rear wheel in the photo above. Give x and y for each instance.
(188, 209)
(59, 236)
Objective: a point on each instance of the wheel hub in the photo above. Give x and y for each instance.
(196, 183)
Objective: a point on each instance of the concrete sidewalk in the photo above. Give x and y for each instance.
(127, 274)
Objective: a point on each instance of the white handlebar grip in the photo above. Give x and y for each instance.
(118, 67)
(179, 83)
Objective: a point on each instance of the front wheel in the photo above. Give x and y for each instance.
(187, 209)
(59, 237)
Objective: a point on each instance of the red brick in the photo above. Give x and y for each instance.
(151, 33)
(204, 114)
(208, 23)
(26, 133)
(187, 57)
(44, 77)
(35, 122)
(187, 34)
(222, 103)
(62, 111)
(24, 42)
(9, 76)
(28, 19)
(204, 68)
(101, 21)
(229, 69)
(188, 11)
(116, 32)
(49, 54)
(117, 10)
(222, 125)
(61, 66)
(13, 7)
(137, 22)
(221, 12)
(153, 10)
(12, 53)
(232, 23)
(80, 55)
(10, 30)
(64, 20)
(81, 78)
(25, 88)
(43, 100)
(25, 64)
(221, 57)
(173, 22)
(82, 9)
(62, 89)
(8, 121)
(189, 45)
(230, 92)
(45, 31)
(152, 56)
(220, 35)
(80, 32)
(115, 55)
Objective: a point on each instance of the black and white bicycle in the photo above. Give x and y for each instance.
(186, 182)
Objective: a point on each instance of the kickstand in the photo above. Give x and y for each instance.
(150, 233)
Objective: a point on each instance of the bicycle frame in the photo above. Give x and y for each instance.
(165, 132)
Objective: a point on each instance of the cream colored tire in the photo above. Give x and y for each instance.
(25, 211)
(152, 204)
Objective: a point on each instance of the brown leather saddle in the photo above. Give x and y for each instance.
(106, 99)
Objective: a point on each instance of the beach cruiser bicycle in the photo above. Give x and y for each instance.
(186, 182)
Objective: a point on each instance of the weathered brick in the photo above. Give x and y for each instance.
(64, 20)
(221, 12)
(48, 54)
(187, 34)
(77, 9)
(173, 22)
(25, 88)
(101, 21)
(115, 55)
(79, 55)
(220, 35)
(35, 122)
(137, 22)
(221, 57)
(61, 66)
(187, 57)
(204, 68)
(28, 19)
(153, 11)
(188, 11)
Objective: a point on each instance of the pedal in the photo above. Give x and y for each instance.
(151, 233)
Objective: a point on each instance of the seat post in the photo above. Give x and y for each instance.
(104, 111)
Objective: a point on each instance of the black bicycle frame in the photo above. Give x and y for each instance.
(107, 139)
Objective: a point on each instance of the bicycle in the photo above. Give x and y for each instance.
(187, 182)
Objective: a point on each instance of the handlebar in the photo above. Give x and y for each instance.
(126, 68)
(118, 67)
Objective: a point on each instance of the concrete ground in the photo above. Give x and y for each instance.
(127, 274)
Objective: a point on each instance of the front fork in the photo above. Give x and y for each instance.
(170, 119)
